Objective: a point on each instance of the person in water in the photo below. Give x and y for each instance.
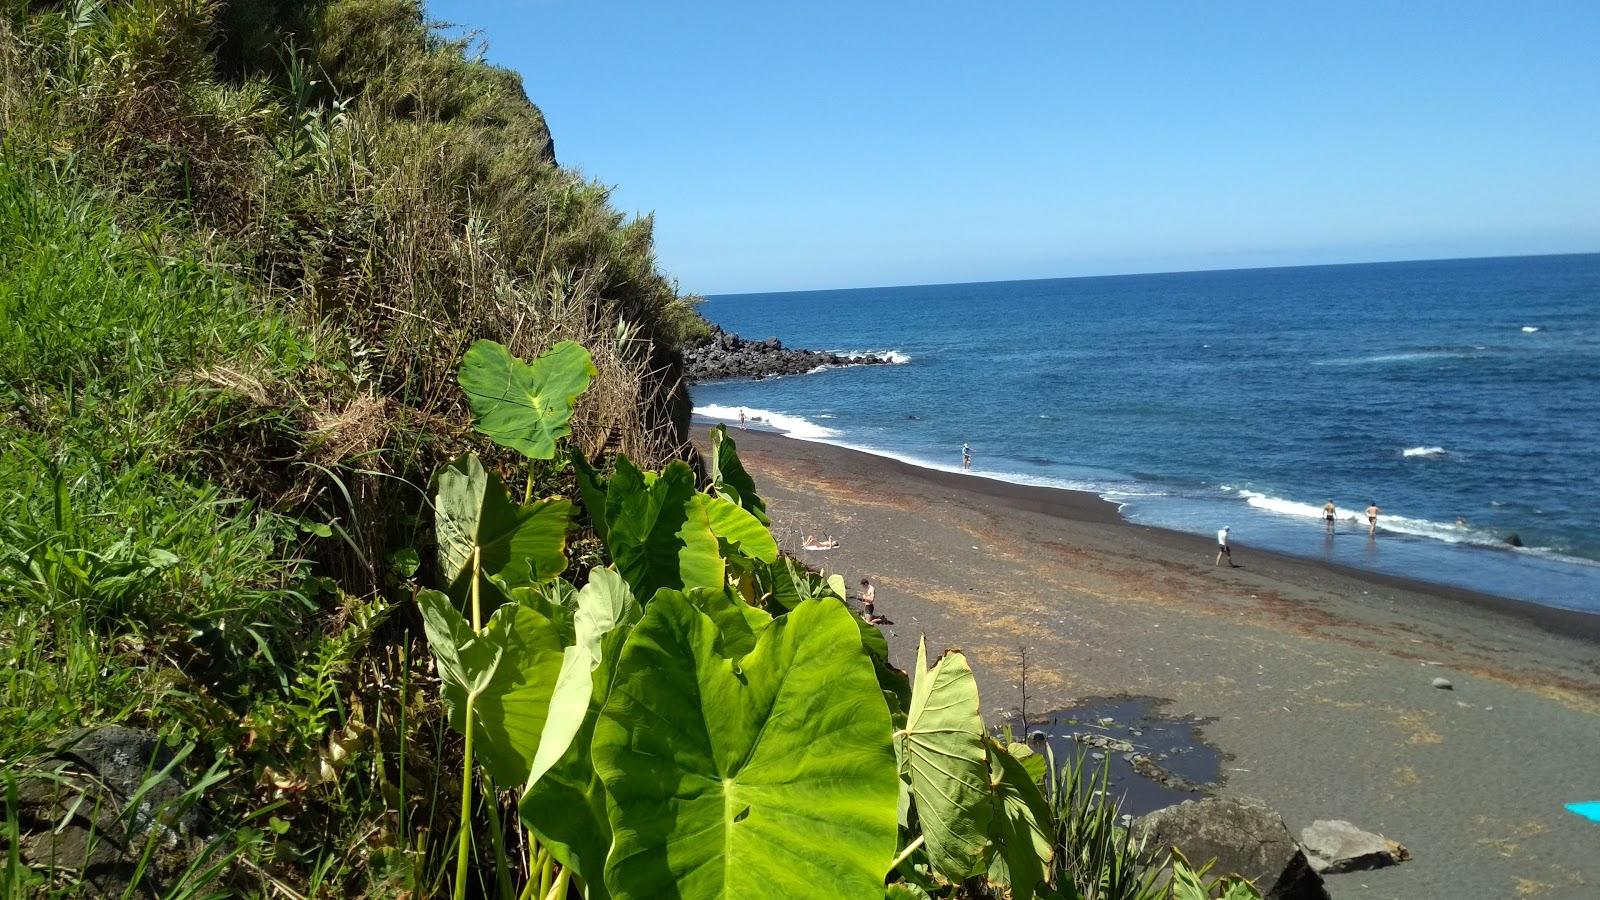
(1372, 517)
(1329, 511)
(966, 457)
(1222, 547)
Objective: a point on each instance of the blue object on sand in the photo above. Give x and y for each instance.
(1590, 811)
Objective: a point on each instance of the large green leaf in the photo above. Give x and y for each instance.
(603, 604)
(644, 518)
(1021, 843)
(521, 544)
(772, 776)
(710, 524)
(738, 623)
(521, 406)
(729, 478)
(463, 661)
(510, 669)
(943, 757)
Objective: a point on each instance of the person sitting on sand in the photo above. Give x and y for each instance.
(1328, 513)
(1372, 517)
(1222, 548)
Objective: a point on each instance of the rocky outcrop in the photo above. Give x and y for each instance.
(1334, 845)
(1245, 837)
(93, 808)
(725, 355)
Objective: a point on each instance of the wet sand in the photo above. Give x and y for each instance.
(1315, 680)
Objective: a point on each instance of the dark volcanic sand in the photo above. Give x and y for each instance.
(1315, 680)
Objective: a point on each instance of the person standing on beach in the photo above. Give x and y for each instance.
(966, 457)
(868, 595)
(1328, 513)
(1222, 547)
(741, 419)
(1372, 517)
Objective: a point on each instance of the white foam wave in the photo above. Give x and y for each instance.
(793, 426)
(1446, 532)
(1530, 329)
(890, 356)
(1423, 451)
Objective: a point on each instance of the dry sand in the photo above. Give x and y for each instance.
(1317, 679)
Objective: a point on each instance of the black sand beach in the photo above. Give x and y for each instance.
(1315, 682)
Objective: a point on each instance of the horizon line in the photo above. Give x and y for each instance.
(1367, 262)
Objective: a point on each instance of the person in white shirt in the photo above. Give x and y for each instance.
(1222, 547)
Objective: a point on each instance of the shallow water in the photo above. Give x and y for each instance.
(1463, 396)
(1116, 732)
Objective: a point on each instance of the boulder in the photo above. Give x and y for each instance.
(76, 811)
(1245, 837)
(1334, 845)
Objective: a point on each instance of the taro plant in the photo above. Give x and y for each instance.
(704, 718)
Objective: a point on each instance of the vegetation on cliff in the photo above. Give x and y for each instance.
(263, 266)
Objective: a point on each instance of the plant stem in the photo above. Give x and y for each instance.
(546, 869)
(559, 889)
(502, 870)
(477, 616)
(462, 844)
(466, 804)
(910, 849)
(527, 491)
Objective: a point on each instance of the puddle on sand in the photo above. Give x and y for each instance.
(1156, 761)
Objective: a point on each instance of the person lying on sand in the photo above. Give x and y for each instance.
(811, 543)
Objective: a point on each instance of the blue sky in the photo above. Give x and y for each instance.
(814, 145)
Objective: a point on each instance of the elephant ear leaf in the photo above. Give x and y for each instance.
(1021, 844)
(706, 801)
(522, 544)
(521, 406)
(943, 757)
(645, 516)
(709, 524)
(509, 670)
(729, 478)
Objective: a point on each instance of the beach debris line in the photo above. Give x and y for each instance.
(1334, 845)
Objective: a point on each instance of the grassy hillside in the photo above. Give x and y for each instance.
(243, 246)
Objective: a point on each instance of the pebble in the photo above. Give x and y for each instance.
(1443, 684)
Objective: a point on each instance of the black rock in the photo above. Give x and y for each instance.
(1514, 539)
(724, 355)
(1245, 837)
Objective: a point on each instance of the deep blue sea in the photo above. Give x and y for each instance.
(1463, 396)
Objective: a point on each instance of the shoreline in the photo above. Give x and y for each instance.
(1314, 684)
(1089, 507)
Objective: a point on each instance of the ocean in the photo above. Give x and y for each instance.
(1463, 396)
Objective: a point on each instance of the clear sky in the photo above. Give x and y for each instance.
(821, 144)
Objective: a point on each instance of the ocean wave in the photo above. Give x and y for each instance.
(890, 356)
(1445, 532)
(793, 426)
(1406, 357)
(1424, 451)
(1530, 329)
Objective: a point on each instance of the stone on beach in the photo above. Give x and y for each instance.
(1245, 837)
(1443, 684)
(1334, 845)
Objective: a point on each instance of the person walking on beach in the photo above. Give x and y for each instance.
(966, 457)
(741, 419)
(1328, 513)
(1222, 548)
(1372, 517)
